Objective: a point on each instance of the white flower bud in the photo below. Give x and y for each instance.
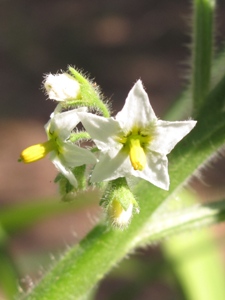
(62, 87)
(118, 216)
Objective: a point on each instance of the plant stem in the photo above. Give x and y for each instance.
(202, 50)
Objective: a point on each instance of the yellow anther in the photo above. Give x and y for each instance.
(137, 155)
(36, 152)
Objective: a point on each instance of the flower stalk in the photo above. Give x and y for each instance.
(203, 50)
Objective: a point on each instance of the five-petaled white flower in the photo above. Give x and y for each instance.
(62, 87)
(63, 153)
(135, 142)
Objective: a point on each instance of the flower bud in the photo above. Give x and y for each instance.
(119, 203)
(119, 216)
(62, 87)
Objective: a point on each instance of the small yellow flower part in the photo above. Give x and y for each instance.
(37, 152)
(137, 155)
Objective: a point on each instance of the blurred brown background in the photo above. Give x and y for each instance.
(116, 42)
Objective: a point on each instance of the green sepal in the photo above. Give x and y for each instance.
(66, 189)
(90, 94)
(79, 173)
(80, 135)
(118, 189)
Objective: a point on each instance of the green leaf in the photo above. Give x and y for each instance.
(16, 218)
(8, 275)
(168, 221)
(195, 259)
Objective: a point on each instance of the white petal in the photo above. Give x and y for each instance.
(109, 168)
(63, 123)
(168, 134)
(137, 109)
(156, 171)
(75, 156)
(65, 171)
(61, 87)
(102, 130)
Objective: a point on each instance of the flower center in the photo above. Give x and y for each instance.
(135, 144)
(38, 151)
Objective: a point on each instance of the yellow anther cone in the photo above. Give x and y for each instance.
(36, 152)
(137, 155)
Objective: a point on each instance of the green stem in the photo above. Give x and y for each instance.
(202, 50)
(182, 107)
(85, 264)
(194, 271)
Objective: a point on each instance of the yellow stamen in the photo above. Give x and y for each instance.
(137, 155)
(36, 152)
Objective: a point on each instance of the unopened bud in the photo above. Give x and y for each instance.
(62, 87)
(118, 216)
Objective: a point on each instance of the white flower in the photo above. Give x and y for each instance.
(62, 87)
(135, 142)
(63, 153)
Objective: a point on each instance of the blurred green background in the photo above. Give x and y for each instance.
(116, 42)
